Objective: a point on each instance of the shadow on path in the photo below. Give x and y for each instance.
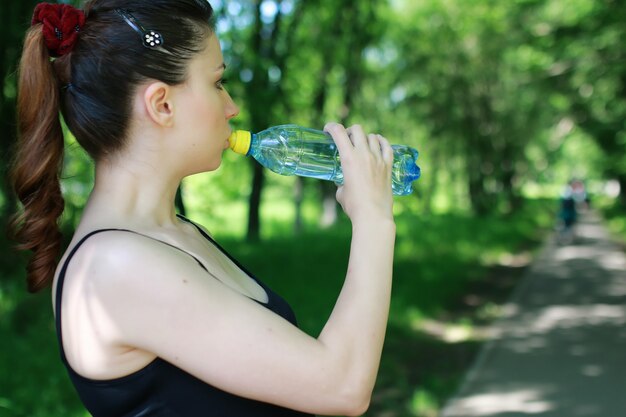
(560, 349)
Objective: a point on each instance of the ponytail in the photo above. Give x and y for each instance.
(99, 63)
(38, 161)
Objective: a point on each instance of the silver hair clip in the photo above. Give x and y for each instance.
(151, 38)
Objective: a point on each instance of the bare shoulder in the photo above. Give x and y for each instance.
(121, 256)
(137, 280)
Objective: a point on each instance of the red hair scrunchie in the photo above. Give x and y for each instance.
(61, 25)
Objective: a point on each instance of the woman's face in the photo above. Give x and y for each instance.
(204, 109)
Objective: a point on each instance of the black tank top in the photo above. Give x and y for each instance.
(160, 388)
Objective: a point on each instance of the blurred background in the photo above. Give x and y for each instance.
(506, 101)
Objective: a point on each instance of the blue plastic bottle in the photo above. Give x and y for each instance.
(296, 150)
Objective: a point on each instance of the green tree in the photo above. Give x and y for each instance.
(269, 39)
(336, 71)
(590, 69)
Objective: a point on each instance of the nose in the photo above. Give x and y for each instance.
(232, 110)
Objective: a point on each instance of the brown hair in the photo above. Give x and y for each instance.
(38, 159)
(92, 87)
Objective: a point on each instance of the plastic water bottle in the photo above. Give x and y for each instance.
(296, 150)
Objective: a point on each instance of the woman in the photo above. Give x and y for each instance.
(153, 317)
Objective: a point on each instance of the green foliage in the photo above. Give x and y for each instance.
(76, 181)
(33, 381)
(589, 70)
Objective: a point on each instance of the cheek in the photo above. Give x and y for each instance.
(204, 123)
(206, 110)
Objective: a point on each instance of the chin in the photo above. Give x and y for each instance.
(200, 169)
(214, 166)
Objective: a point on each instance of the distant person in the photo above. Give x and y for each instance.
(579, 194)
(153, 317)
(567, 214)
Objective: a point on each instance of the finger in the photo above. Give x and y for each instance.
(357, 134)
(386, 149)
(340, 136)
(374, 143)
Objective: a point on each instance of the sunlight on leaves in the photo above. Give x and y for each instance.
(424, 404)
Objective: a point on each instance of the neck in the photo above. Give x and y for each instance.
(137, 194)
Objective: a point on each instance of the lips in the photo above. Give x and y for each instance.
(227, 143)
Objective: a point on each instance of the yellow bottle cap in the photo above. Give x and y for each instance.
(240, 141)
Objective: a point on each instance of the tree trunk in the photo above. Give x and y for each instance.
(478, 194)
(358, 37)
(259, 95)
(263, 94)
(622, 194)
(254, 224)
(328, 191)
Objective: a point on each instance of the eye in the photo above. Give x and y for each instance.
(221, 83)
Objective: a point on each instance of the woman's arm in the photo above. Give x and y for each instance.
(359, 320)
(155, 298)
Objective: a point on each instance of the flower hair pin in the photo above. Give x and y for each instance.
(61, 25)
(151, 38)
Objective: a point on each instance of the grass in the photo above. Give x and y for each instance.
(451, 271)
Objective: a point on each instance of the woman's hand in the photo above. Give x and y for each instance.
(366, 161)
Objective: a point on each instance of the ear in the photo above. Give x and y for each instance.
(157, 99)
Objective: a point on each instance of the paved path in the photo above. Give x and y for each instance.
(561, 347)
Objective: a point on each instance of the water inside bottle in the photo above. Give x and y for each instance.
(292, 150)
